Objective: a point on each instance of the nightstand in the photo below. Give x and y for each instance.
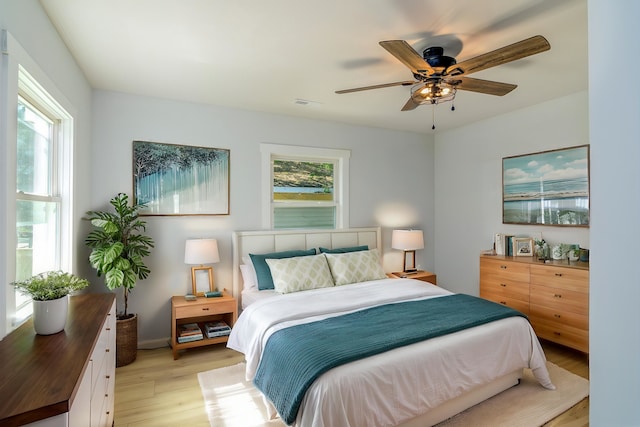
(200, 311)
(425, 276)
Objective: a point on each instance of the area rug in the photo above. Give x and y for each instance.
(230, 401)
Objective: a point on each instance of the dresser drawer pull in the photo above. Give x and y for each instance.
(504, 267)
(107, 376)
(503, 302)
(205, 308)
(106, 350)
(503, 285)
(557, 295)
(557, 316)
(559, 274)
(557, 333)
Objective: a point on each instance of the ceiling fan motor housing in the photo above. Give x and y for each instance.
(435, 57)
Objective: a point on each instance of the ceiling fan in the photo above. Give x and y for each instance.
(438, 77)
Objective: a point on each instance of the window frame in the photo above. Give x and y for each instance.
(340, 159)
(21, 76)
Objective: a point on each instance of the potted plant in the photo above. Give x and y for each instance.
(118, 248)
(49, 292)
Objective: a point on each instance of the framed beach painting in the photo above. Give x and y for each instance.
(547, 188)
(170, 179)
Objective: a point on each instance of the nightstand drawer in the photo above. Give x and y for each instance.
(197, 310)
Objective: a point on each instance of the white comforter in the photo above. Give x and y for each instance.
(393, 387)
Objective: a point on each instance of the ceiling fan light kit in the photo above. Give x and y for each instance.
(432, 92)
(438, 77)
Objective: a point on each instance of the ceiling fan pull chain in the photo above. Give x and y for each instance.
(453, 107)
(433, 116)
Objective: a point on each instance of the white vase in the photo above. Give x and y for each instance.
(50, 317)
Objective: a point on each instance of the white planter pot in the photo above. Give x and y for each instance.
(50, 317)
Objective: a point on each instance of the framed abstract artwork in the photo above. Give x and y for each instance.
(547, 188)
(170, 179)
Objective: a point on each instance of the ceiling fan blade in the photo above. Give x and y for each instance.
(410, 105)
(521, 49)
(482, 86)
(358, 89)
(408, 56)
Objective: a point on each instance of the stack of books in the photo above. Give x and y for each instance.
(504, 244)
(217, 329)
(189, 332)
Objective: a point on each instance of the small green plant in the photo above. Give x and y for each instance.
(118, 246)
(50, 285)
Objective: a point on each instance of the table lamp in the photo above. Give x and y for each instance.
(199, 252)
(408, 241)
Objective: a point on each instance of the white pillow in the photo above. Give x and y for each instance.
(251, 273)
(248, 277)
(353, 267)
(300, 273)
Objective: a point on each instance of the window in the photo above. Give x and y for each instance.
(42, 177)
(305, 187)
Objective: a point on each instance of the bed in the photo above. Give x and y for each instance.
(416, 384)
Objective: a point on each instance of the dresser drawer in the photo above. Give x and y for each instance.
(197, 310)
(516, 304)
(497, 269)
(560, 277)
(560, 299)
(540, 314)
(506, 288)
(562, 334)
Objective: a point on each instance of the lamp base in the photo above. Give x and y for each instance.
(406, 267)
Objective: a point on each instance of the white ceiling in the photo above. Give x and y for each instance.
(263, 55)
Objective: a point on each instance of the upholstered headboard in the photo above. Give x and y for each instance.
(266, 241)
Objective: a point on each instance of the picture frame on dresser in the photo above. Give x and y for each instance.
(522, 246)
(547, 188)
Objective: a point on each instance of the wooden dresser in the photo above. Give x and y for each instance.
(66, 379)
(555, 295)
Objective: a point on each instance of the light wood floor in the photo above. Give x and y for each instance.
(156, 391)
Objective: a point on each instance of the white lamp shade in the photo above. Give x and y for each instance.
(407, 240)
(201, 251)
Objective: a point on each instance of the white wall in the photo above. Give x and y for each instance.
(615, 233)
(57, 71)
(468, 192)
(386, 188)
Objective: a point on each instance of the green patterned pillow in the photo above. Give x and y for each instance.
(300, 273)
(353, 267)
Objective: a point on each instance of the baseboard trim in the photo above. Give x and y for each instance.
(153, 344)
